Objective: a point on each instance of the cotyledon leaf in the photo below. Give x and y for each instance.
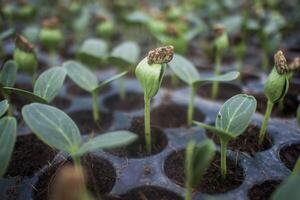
(23, 93)
(102, 84)
(3, 107)
(229, 76)
(8, 74)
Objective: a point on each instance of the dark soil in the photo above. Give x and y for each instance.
(101, 177)
(290, 106)
(167, 83)
(30, 155)
(212, 181)
(74, 90)
(133, 101)
(249, 77)
(172, 115)
(86, 123)
(61, 103)
(289, 155)
(138, 149)
(226, 91)
(264, 190)
(247, 142)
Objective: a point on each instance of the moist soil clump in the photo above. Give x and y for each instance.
(264, 190)
(226, 91)
(289, 155)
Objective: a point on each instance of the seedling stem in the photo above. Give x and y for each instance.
(191, 105)
(224, 144)
(95, 105)
(147, 124)
(262, 132)
(215, 86)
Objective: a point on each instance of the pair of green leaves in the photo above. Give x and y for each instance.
(85, 78)
(46, 87)
(233, 117)
(58, 130)
(187, 72)
(8, 132)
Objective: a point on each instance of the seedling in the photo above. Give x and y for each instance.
(8, 134)
(57, 130)
(25, 56)
(124, 56)
(88, 81)
(232, 120)
(104, 27)
(197, 159)
(276, 87)
(150, 72)
(187, 72)
(220, 45)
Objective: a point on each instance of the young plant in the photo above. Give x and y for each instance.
(150, 72)
(88, 81)
(124, 56)
(25, 56)
(8, 134)
(276, 87)
(57, 130)
(232, 120)
(197, 159)
(220, 45)
(104, 27)
(187, 72)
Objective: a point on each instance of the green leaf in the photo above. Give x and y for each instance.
(235, 114)
(49, 83)
(229, 76)
(289, 189)
(109, 80)
(184, 69)
(23, 93)
(125, 54)
(137, 17)
(220, 133)
(3, 107)
(8, 74)
(8, 134)
(81, 75)
(52, 126)
(108, 140)
(150, 77)
(296, 169)
(94, 48)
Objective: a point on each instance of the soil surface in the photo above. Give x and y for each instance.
(264, 190)
(168, 83)
(246, 142)
(137, 149)
(226, 91)
(30, 155)
(61, 103)
(100, 177)
(289, 155)
(133, 101)
(212, 181)
(74, 90)
(86, 123)
(172, 115)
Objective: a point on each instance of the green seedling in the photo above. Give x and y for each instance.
(57, 129)
(88, 81)
(25, 56)
(276, 87)
(104, 27)
(8, 134)
(239, 51)
(232, 120)
(187, 72)
(124, 56)
(197, 159)
(93, 51)
(220, 45)
(150, 72)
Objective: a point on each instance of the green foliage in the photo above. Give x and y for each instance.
(125, 54)
(26, 94)
(105, 29)
(58, 130)
(51, 39)
(3, 107)
(289, 189)
(26, 61)
(8, 74)
(8, 132)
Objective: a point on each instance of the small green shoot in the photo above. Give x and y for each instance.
(88, 81)
(197, 159)
(150, 72)
(187, 72)
(232, 120)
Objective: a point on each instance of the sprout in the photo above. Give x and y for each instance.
(8, 134)
(57, 130)
(197, 159)
(88, 81)
(104, 27)
(150, 72)
(276, 87)
(25, 56)
(187, 72)
(232, 120)
(220, 45)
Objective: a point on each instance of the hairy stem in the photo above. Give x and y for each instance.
(223, 158)
(95, 106)
(147, 125)
(264, 125)
(215, 86)
(190, 113)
